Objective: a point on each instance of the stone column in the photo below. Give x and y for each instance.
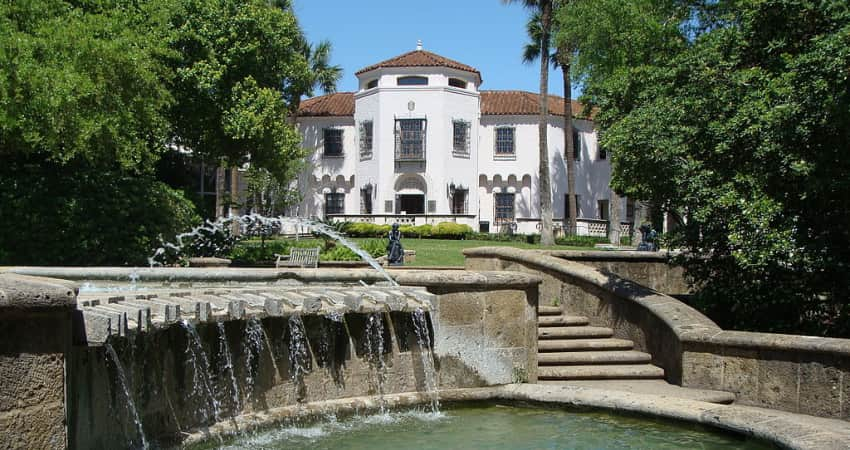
(35, 338)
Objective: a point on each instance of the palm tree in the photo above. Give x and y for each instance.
(322, 75)
(544, 9)
(560, 58)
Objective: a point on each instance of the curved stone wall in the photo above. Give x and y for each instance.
(483, 323)
(803, 374)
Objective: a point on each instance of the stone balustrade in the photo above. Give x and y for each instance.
(801, 374)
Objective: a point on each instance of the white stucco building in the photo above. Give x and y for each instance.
(420, 142)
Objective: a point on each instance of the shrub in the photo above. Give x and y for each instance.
(365, 229)
(374, 247)
(451, 230)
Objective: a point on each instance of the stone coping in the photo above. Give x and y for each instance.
(21, 292)
(472, 280)
(689, 325)
(610, 255)
(789, 430)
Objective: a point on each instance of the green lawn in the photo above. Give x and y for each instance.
(438, 252)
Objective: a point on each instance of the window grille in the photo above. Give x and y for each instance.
(432, 206)
(410, 139)
(334, 203)
(332, 142)
(460, 138)
(504, 208)
(505, 141)
(366, 139)
(388, 206)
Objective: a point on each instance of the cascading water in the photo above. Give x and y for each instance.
(251, 222)
(130, 405)
(423, 336)
(375, 348)
(299, 356)
(226, 365)
(253, 344)
(201, 382)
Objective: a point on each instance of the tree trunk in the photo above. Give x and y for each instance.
(614, 219)
(546, 236)
(234, 199)
(564, 60)
(219, 191)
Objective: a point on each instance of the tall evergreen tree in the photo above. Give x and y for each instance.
(544, 9)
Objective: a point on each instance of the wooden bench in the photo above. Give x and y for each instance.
(298, 257)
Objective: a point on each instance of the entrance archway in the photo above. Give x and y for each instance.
(410, 193)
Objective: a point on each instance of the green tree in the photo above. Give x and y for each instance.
(236, 58)
(734, 114)
(82, 122)
(544, 9)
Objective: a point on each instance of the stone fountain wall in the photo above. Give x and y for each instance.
(482, 327)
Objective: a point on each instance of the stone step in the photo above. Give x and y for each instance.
(554, 321)
(579, 345)
(580, 358)
(574, 332)
(549, 310)
(600, 372)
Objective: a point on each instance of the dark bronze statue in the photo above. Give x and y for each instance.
(395, 252)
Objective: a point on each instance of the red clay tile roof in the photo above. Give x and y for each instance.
(522, 103)
(421, 58)
(495, 103)
(338, 104)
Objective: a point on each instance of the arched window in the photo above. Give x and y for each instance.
(412, 81)
(457, 82)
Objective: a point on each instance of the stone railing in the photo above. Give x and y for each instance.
(651, 269)
(406, 219)
(804, 374)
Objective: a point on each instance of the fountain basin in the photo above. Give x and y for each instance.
(484, 335)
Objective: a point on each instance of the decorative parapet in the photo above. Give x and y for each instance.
(803, 374)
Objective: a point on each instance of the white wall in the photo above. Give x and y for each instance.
(481, 172)
(327, 174)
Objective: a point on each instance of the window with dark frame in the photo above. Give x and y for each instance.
(332, 142)
(334, 203)
(505, 141)
(460, 137)
(366, 139)
(504, 208)
(460, 201)
(366, 200)
(602, 209)
(412, 81)
(457, 82)
(410, 139)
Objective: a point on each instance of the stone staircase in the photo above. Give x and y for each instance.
(570, 349)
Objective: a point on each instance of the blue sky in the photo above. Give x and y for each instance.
(484, 34)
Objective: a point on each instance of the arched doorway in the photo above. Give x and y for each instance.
(410, 193)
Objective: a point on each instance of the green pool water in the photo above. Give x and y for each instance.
(489, 427)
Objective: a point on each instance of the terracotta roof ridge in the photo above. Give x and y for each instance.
(428, 59)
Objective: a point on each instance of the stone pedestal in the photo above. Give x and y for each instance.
(35, 338)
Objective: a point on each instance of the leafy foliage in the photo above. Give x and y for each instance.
(734, 115)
